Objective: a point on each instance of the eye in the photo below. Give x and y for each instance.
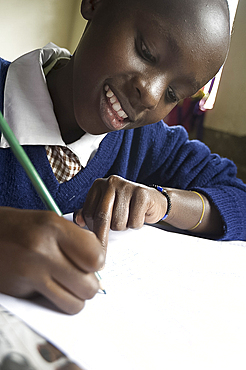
(171, 96)
(146, 53)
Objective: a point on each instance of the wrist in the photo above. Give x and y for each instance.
(168, 199)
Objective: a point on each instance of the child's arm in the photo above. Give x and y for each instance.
(117, 204)
(42, 252)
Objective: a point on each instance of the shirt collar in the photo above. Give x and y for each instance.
(28, 107)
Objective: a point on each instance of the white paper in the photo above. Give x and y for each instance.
(172, 300)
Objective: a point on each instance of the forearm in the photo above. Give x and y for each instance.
(188, 209)
(116, 203)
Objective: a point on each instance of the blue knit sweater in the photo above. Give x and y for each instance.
(152, 154)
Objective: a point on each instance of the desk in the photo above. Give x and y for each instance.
(173, 301)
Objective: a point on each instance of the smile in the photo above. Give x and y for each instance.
(115, 104)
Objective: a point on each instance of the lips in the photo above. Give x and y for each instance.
(114, 115)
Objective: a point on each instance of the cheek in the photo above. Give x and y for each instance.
(117, 58)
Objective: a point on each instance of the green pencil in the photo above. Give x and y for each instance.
(31, 172)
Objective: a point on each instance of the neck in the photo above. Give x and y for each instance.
(60, 86)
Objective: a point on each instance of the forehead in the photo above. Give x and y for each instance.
(194, 11)
(202, 27)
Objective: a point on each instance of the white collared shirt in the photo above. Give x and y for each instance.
(28, 107)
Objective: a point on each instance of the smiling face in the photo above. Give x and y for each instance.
(137, 59)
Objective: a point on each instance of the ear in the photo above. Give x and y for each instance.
(88, 7)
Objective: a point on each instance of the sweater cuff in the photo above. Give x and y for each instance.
(228, 205)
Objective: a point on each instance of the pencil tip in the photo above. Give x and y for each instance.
(104, 291)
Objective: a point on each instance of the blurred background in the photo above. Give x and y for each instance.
(29, 24)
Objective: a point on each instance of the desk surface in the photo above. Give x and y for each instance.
(172, 301)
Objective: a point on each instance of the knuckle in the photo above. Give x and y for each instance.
(142, 194)
(113, 180)
(97, 182)
(47, 218)
(102, 217)
(49, 224)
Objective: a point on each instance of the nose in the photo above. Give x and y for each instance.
(150, 90)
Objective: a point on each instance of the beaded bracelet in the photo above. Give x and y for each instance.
(203, 211)
(169, 204)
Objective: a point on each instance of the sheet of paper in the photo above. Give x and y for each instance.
(173, 301)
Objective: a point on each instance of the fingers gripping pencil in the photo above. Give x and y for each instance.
(33, 174)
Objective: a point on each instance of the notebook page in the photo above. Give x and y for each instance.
(172, 300)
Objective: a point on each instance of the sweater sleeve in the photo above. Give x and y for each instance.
(175, 161)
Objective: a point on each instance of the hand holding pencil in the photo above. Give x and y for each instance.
(41, 252)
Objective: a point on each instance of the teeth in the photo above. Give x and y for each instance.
(122, 114)
(110, 93)
(116, 106)
(113, 99)
(115, 103)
